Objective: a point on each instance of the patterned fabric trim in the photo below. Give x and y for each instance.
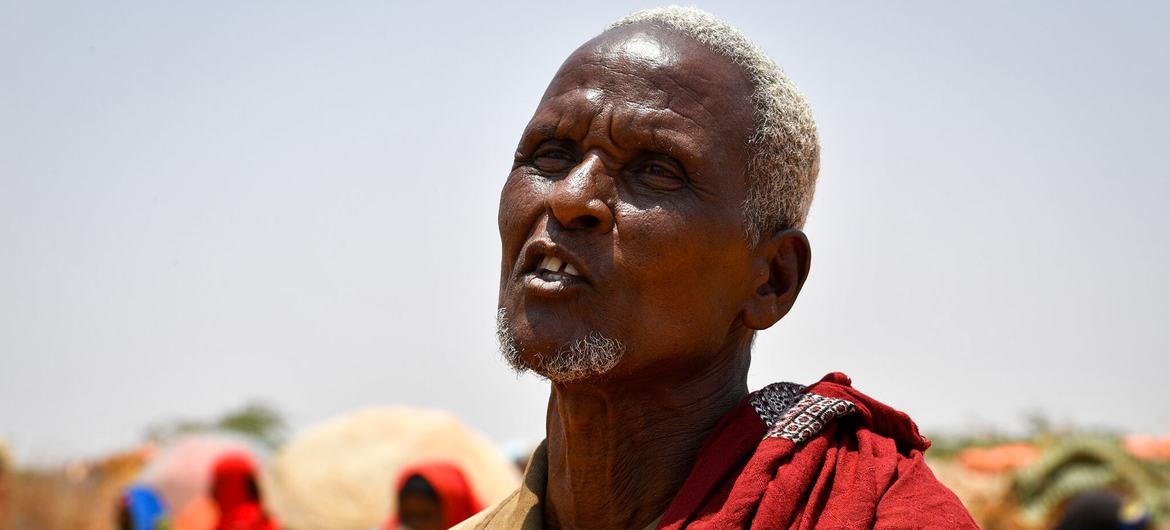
(772, 401)
(792, 414)
(811, 414)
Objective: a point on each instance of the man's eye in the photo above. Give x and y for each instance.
(659, 176)
(553, 160)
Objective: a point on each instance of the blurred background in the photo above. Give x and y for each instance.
(246, 226)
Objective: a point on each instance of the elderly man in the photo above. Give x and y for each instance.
(650, 227)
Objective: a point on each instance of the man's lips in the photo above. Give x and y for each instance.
(551, 266)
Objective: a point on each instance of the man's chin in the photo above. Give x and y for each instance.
(593, 355)
(558, 371)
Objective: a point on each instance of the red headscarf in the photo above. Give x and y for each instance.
(456, 498)
(234, 490)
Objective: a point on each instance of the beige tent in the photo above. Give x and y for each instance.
(339, 475)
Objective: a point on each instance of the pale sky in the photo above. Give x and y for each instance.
(206, 202)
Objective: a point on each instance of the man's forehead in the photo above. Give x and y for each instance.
(648, 46)
(656, 67)
(652, 52)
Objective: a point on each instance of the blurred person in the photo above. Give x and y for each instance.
(433, 496)
(236, 494)
(141, 508)
(650, 226)
(5, 466)
(1094, 465)
(1102, 510)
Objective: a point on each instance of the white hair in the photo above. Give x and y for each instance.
(595, 354)
(784, 149)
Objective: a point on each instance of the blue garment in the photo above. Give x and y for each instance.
(145, 507)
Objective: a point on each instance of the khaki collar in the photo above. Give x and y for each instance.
(522, 509)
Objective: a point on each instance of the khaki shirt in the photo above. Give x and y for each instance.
(522, 509)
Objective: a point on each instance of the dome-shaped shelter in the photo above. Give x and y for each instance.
(339, 475)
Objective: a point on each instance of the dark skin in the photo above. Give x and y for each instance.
(420, 512)
(632, 170)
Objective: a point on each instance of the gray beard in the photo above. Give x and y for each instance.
(595, 354)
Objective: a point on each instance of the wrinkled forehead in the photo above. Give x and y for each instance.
(644, 66)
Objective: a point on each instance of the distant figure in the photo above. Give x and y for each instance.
(5, 466)
(237, 495)
(433, 496)
(1101, 510)
(140, 509)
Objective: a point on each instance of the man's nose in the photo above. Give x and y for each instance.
(579, 201)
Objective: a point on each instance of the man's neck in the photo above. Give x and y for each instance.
(619, 452)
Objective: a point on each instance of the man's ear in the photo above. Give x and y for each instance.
(782, 265)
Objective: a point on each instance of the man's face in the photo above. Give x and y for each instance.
(420, 512)
(621, 220)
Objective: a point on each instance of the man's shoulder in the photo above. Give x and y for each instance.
(484, 519)
(798, 413)
(870, 455)
(518, 511)
(865, 413)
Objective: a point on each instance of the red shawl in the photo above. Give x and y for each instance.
(234, 490)
(455, 494)
(826, 456)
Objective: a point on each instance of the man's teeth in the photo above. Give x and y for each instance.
(554, 264)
